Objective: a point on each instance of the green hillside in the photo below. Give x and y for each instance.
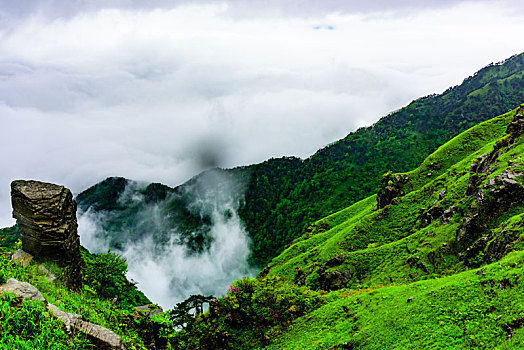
(106, 299)
(279, 198)
(350, 169)
(434, 260)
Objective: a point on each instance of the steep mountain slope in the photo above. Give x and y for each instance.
(469, 215)
(349, 170)
(278, 198)
(434, 260)
(439, 195)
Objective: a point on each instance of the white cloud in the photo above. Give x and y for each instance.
(169, 272)
(136, 92)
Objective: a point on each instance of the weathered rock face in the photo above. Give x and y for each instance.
(516, 127)
(101, 337)
(390, 188)
(497, 196)
(492, 195)
(46, 216)
(23, 290)
(333, 279)
(427, 216)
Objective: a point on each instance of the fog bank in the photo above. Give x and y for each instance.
(166, 270)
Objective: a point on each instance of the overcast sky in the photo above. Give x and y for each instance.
(90, 89)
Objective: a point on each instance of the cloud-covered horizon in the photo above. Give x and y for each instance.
(96, 89)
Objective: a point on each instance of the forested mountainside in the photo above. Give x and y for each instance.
(279, 198)
(433, 260)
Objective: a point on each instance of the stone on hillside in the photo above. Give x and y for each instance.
(101, 337)
(21, 257)
(390, 188)
(23, 290)
(68, 319)
(516, 127)
(46, 216)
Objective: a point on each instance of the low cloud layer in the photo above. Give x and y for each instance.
(170, 275)
(160, 93)
(235, 8)
(169, 272)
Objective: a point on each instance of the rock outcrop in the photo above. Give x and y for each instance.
(46, 216)
(491, 194)
(390, 188)
(427, 216)
(333, 279)
(516, 127)
(23, 290)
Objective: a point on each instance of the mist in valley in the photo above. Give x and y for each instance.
(161, 258)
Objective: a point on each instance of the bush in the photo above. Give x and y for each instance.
(105, 274)
(252, 309)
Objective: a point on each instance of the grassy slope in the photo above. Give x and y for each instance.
(356, 227)
(392, 259)
(43, 331)
(467, 310)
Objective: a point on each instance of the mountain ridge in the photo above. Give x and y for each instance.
(280, 197)
(411, 274)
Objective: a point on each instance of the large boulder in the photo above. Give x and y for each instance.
(390, 188)
(101, 337)
(46, 217)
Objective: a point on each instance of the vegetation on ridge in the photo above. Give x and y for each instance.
(349, 169)
(279, 198)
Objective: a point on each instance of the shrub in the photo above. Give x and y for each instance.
(105, 274)
(251, 309)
